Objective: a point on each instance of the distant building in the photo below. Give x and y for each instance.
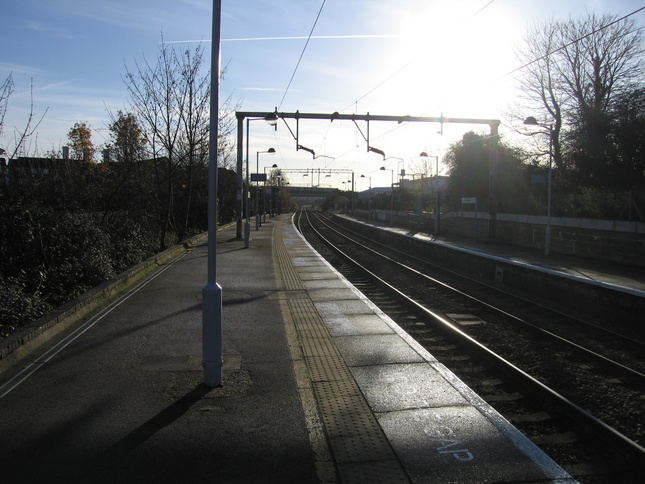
(374, 191)
(29, 169)
(4, 174)
(431, 184)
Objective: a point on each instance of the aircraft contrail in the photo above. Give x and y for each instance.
(248, 39)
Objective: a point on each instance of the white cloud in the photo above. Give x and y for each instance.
(50, 29)
(6, 68)
(259, 89)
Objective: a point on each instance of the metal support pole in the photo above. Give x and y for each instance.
(246, 193)
(238, 188)
(547, 241)
(212, 354)
(257, 192)
(264, 203)
(493, 188)
(257, 206)
(437, 213)
(392, 199)
(353, 196)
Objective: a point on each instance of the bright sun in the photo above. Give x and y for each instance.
(455, 54)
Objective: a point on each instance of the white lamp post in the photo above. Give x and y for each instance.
(265, 195)
(369, 199)
(212, 354)
(272, 120)
(400, 172)
(257, 186)
(531, 121)
(391, 195)
(423, 154)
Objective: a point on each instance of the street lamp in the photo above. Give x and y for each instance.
(212, 353)
(265, 194)
(244, 195)
(369, 199)
(391, 195)
(271, 151)
(349, 186)
(435, 187)
(245, 202)
(531, 121)
(272, 120)
(400, 173)
(278, 202)
(423, 154)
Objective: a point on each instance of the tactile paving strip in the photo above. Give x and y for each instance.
(321, 370)
(361, 451)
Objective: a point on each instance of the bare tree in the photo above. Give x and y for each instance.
(172, 102)
(166, 98)
(601, 58)
(423, 165)
(6, 89)
(540, 80)
(21, 136)
(226, 143)
(195, 123)
(574, 70)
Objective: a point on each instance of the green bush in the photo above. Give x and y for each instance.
(17, 307)
(130, 244)
(593, 203)
(49, 257)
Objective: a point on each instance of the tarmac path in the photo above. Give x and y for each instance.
(124, 401)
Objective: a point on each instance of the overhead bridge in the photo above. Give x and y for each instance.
(310, 196)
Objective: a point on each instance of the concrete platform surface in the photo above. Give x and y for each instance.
(319, 386)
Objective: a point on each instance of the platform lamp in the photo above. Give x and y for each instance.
(274, 166)
(423, 154)
(369, 199)
(272, 120)
(531, 121)
(271, 151)
(391, 194)
(437, 210)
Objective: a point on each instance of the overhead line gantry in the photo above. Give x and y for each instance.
(273, 117)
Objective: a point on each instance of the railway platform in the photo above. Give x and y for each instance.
(609, 274)
(319, 386)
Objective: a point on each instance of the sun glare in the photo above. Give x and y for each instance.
(453, 57)
(447, 61)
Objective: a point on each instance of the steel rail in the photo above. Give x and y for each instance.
(593, 424)
(631, 372)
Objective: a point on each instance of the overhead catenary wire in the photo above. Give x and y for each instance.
(504, 75)
(575, 41)
(508, 73)
(582, 37)
(394, 74)
(302, 54)
(405, 66)
(377, 86)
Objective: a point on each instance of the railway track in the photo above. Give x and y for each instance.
(579, 401)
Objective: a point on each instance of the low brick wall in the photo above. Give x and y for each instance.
(608, 240)
(29, 338)
(624, 310)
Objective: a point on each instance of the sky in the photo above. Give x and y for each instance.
(452, 58)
